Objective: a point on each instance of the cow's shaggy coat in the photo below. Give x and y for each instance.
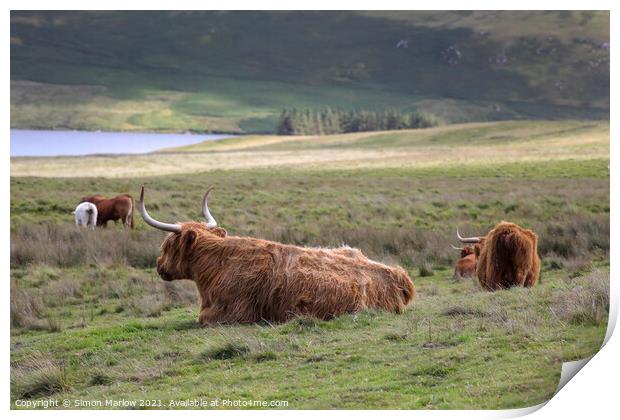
(86, 215)
(465, 266)
(507, 257)
(242, 280)
(116, 208)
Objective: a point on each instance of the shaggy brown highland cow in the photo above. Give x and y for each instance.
(507, 256)
(116, 208)
(465, 266)
(242, 280)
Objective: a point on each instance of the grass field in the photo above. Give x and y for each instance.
(439, 149)
(92, 320)
(236, 71)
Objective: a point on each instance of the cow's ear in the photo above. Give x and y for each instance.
(218, 231)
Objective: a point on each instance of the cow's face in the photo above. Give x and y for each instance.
(172, 264)
(466, 251)
(179, 251)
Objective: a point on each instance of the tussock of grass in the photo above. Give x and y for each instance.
(316, 358)
(226, 351)
(181, 293)
(435, 371)
(100, 378)
(150, 306)
(396, 337)
(463, 311)
(54, 324)
(302, 324)
(40, 377)
(426, 269)
(265, 356)
(26, 307)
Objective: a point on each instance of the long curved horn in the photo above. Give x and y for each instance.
(472, 240)
(168, 227)
(211, 223)
(456, 247)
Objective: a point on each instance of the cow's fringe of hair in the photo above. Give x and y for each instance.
(244, 280)
(508, 257)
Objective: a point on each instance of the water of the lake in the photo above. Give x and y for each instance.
(72, 143)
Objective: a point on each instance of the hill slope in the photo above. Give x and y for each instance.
(235, 71)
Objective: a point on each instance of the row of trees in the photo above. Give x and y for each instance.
(330, 121)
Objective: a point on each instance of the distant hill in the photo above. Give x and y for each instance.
(236, 71)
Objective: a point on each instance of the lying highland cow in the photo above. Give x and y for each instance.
(245, 280)
(507, 256)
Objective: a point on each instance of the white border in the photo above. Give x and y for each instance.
(593, 393)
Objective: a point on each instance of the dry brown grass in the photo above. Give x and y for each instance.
(64, 245)
(26, 309)
(586, 300)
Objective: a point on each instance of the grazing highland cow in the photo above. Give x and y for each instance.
(242, 280)
(86, 215)
(116, 208)
(466, 265)
(507, 256)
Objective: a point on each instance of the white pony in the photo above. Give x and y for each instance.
(86, 215)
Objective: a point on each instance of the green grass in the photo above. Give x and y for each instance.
(91, 319)
(206, 72)
(508, 349)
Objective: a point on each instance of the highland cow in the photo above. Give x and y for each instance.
(507, 256)
(246, 280)
(116, 208)
(465, 266)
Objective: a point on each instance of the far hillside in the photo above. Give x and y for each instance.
(237, 71)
